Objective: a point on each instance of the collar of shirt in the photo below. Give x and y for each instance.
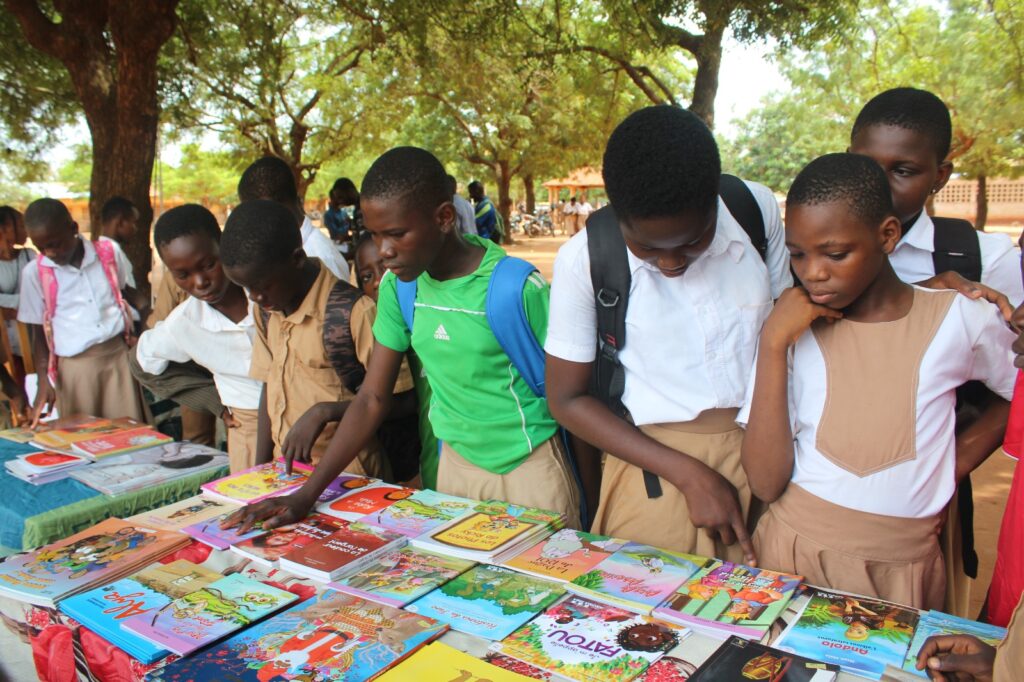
(727, 240)
(313, 304)
(89, 256)
(921, 234)
(208, 317)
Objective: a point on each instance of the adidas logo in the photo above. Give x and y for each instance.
(440, 334)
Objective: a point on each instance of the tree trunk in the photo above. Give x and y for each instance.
(504, 178)
(531, 194)
(981, 201)
(705, 83)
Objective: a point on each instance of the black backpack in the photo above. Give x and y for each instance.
(610, 276)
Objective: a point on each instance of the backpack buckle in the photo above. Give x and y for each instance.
(604, 297)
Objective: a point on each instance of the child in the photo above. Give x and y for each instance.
(214, 328)
(119, 221)
(369, 272)
(486, 215)
(81, 327)
(699, 293)
(13, 260)
(499, 439)
(310, 376)
(858, 459)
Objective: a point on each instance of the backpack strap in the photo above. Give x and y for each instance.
(406, 293)
(339, 345)
(957, 248)
(108, 261)
(744, 208)
(507, 318)
(48, 283)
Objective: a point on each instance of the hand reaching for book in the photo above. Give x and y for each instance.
(277, 511)
(956, 658)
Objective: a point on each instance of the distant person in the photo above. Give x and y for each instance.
(336, 220)
(485, 212)
(583, 211)
(465, 215)
(13, 259)
(570, 213)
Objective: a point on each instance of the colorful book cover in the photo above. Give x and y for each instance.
(399, 577)
(937, 623)
(493, 527)
(179, 515)
(530, 672)
(258, 483)
(566, 555)
(82, 560)
(586, 640)
(21, 434)
(330, 636)
(740, 659)
(210, 533)
(438, 661)
(166, 462)
(345, 549)
(62, 433)
(49, 460)
(420, 513)
(860, 634)
(639, 576)
(343, 485)
(177, 578)
(488, 601)
(366, 500)
(738, 599)
(269, 547)
(209, 613)
(119, 442)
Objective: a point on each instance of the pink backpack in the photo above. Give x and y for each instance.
(48, 282)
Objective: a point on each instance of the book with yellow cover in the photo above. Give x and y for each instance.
(258, 483)
(439, 662)
(492, 532)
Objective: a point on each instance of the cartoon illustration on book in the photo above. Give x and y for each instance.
(89, 554)
(194, 508)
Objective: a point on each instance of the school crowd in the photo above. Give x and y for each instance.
(811, 397)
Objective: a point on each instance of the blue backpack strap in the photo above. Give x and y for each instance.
(506, 316)
(406, 292)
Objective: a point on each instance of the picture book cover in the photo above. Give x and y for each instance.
(566, 555)
(82, 560)
(639, 576)
(493, 527)
(269, 547)
(740, 599)
(21, 434)
(488, 601)
(49, 460)
(366, 500)
(182, 514)
(399, 577)
(740, 659)
(119, 442)
(345, 549)
(438, 661)
(210, 533)
(420, 513)
(330, 636)
(530, 672)
(343, 485)
(209, 613)
(859, 634)
(155, 465)
(63, 433)
(937, 623)
(586, 640)
(258, 483)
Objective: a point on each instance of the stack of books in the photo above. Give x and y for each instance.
(267, 548)
(346, 551)
(369, 499)
(63, 433)
(150, 467)
(256, 484)
(402, 576)
(182, 514)
(740, 659)
(119, 442)
(38, 468)
(210, 533)
(566, 555)
(420, 513)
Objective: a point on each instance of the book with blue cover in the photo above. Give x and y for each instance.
(935, 623)
(402, 576)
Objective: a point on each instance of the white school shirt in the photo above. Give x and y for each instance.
(1000, 259)
(197, 331)
(584, 209)
(972, 344)
(87, 312)
(690, 340)
(316, 245)
(465, 215)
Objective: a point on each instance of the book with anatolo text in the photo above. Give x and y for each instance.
(166, 462)
(343, 552)
(365, 500)
(258, 483)
(119, 442)
(740, 659)
(566, 555)
(182, 514)
(267, 548)
(402, 576)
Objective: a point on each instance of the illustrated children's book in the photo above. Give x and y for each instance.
(531, 672)
(938, 623)
(105, 552)
(566, 555)
(739, 659)
(21, 434)
(63, 433)
(181, 514)
(488, 601)
(103, 609)
(420, 513)
(210, 533)
(150, 467)
(209, 613)
(438, 661)
(38, 468)
(638, 577)
(102, 446)
(343, 485)
(726, 598)
(345, 551)
(860, 634)
(586, 640)
(330, 636)
(402, 576)
(267, 548)
(258, 483)
(365, 500)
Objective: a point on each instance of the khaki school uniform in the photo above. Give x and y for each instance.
(1009, 665)
(242, 439)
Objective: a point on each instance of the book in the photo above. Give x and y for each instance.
(438, 661)
(937, 623)
(343, 485)
(420, 513)
(20, 434)
(343, 552)
(401, 576)
(330, 636)
(255, 484)
(267, 548)
(38, 468)
(209, 613)
(103, 609)
(859, 634)
(565, 555)
(638, 577)
(488, 601)
(119, 474)
(181, 514)
(530, 672)
(587, 640)
(210, 533)
(100, 554)
(366, 500)
(740, 659)
(101, 446)
(63, 433)
(725, 599)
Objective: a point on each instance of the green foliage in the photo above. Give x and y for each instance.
(594, 580)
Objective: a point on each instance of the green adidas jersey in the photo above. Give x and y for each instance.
(480, 405)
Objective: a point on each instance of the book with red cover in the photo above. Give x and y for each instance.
(373, 498)
(268, 548)
(341, 553)
(120, 442)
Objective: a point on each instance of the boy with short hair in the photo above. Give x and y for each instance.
(850, 420)
(81, 326)
(119, 220)
(486, 215)
(698, 294)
